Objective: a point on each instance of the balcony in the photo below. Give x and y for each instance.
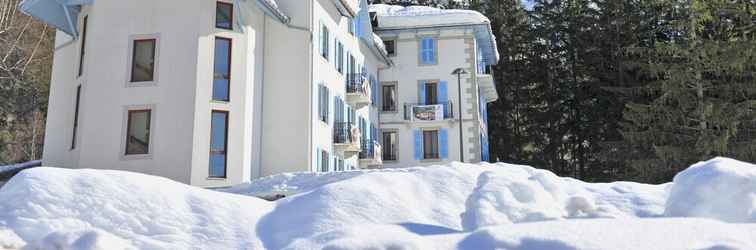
(488, 87)
(358, 90)
(346, 138)
(372, 153)
(417, 112)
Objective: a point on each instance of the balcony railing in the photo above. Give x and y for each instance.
(346, 138)
(371, 151)
(357, 84)
(358, 90)
(346, 133)
(428, 112)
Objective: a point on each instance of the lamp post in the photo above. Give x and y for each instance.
(459, 72)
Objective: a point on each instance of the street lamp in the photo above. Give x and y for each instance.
(459, 72)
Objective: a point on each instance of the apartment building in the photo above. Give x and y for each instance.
(430, 115)
(213, 93)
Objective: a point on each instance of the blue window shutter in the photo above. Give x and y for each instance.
(424, 51)
(318, 160)
(421, 93)
(443, 144)
(418, 144)
(442, 97)
(331, 159)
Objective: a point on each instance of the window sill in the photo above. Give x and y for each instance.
(433, 160)
(389, 111)
(216, 178)
(136, 157)
(141, 84)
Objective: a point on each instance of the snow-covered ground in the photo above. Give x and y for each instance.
(712, 205)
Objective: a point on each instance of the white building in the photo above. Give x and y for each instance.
(214, 93)
(421, 101)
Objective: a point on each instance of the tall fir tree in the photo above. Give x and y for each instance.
(703, 88)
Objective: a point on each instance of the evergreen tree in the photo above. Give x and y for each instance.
(702, 87)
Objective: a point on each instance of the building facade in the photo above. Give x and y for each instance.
(215, 93)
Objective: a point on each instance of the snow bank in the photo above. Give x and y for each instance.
(441, 199)
(458, 206)
(82, 240)
(616, 234)
(720, 188)
(151, 212)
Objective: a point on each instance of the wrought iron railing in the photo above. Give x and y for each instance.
(370, 150)
(357, 84)
(345, 133)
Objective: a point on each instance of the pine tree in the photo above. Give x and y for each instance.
(703, 88)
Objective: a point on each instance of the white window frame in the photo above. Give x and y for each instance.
(153, 120)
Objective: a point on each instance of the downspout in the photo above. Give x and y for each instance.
(262, 102)
(310, 85)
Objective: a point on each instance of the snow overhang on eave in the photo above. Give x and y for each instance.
(271, 8)
(61, 14)
(348, 8)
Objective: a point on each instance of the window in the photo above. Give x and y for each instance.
(430, 144)
(389, 98)
(324, 161)
(389, 146)
(390, 47)
(427, 51)
(324, 39)
(143, 60)
(431, 93)
(340, 57)
(323, 97)
(76, 117)
(218, 143)
(222, 69)
(83, 44)
(224, 15)
(138, 132)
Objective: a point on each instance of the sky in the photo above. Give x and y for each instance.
(528, 4)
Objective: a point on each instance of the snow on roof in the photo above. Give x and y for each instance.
(272, 7)
(399, 17)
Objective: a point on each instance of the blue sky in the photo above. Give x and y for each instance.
(528, 4)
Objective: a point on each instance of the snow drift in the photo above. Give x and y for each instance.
(462, 206)
(721, 188)
(150, 212)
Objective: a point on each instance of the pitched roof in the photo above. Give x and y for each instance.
(392, 17)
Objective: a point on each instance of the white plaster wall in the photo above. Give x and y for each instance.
(61, 105)
(286, 96)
